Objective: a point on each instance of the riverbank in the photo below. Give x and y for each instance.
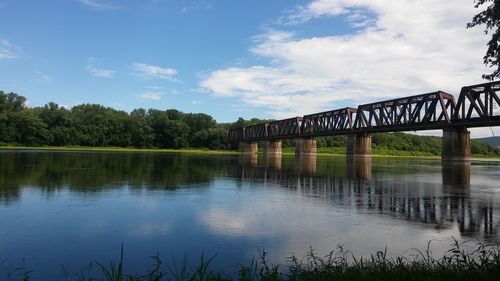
(289, 151)
(456, 264)
(119, 149)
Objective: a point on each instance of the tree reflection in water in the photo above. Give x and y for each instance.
(93, 172)
(400, 190)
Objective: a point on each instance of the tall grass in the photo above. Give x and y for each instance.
(483, 263)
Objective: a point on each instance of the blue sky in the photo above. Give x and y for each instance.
(228, 58)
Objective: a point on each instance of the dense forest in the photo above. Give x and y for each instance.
(98, 126)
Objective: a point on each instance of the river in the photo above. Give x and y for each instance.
(72, 208)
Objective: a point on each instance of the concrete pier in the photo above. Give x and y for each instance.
(250, 147)
(273, 147)
(456, 145)
(306, 146)
(359, 145)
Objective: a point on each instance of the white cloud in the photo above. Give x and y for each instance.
(100, 72)
(156, 87)
(43, 77)
(406, 47)
(152, 71)
(99, 5)
(9, 51)
(155, 96)
(94, 70)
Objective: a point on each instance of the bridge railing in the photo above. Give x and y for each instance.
(478, 105)
(339, 121)
(256, 132)
(287, 128)
(426, 111)
(236, 134)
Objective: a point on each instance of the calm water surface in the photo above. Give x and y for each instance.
(71, 208)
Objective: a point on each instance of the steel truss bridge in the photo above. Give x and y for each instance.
(477, 106)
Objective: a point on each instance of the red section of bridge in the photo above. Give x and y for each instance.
(477, 106)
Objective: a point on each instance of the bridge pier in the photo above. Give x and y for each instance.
(359, 145)
(250, 147)
(273, 147)
(456, 145)
(305, 146)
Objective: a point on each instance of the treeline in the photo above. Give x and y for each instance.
(96, 125)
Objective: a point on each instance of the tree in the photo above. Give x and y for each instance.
(142, 134)
(30, 130)
(10, 106)
(12, 102)
(491, 18)
(169, 133)
(90, 123)
(58, 122)
(213, 138)
(198, 122)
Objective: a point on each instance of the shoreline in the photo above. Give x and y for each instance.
(216, 152)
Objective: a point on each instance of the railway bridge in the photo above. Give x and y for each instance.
(477, 106)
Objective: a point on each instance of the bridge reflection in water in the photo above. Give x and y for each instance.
(353, 185)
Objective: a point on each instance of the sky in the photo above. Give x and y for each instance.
(235, 58)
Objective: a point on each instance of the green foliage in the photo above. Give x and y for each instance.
(483, 264)
(29, 129)
(480, 148)
(98, 126)
(407, 143)
(490, 17)
(114, 272)
(335, 141)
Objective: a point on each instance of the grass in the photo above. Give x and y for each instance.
(119, 149)
(376, 152)
(483, 263)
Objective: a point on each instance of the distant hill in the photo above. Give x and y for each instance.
(493, 141)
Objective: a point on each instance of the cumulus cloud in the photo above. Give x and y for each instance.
(406, 47)
(155, 96)
(9, 51)
(152, 71)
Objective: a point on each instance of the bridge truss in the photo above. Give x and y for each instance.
(477, 106)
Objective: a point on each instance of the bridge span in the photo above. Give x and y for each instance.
(477, 106)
